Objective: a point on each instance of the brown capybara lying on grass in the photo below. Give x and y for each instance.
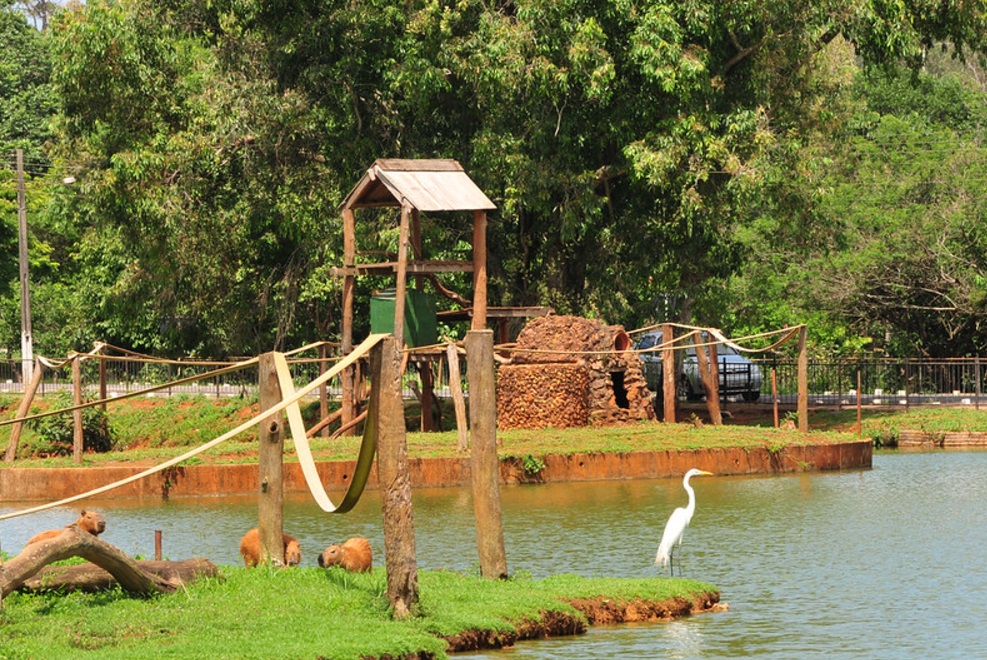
(354, 555)
(250, 549)
(90, 521)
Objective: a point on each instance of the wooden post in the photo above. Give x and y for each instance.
(669, 375)
(102, 377)
(157, 545)
(323, 390)
(803, 375)
(77, 431)
(860, 411)
(428, 391)
(485, 465)
(711, 386)
(22, 411)
(479, 270)
(400, 289)
(270, 500)
(348, 376)
(395, 478)
(456, 390)
(774, 392)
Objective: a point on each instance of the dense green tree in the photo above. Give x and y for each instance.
(638, 151)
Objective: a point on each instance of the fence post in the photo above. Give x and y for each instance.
(23, 409)
(668, 373)
(77, 435)
(803, 377)
(270, 432)
(976, 394)
(860, 412)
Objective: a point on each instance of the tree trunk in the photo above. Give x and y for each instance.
(89, 577)
(76, 542)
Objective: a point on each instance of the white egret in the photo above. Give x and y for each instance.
(677, 523)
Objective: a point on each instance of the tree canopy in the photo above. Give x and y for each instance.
(737, 164)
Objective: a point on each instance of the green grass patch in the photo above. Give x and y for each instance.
(297, 613)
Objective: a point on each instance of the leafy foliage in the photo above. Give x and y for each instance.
(55, 433)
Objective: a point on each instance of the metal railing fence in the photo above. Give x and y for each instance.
(882, 381)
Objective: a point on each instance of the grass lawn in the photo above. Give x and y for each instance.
(303, 613)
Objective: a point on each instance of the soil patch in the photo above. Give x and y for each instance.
(594, 611)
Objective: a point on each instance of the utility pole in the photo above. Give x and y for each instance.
(27, 348)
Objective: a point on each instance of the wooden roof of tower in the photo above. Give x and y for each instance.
(427, 184)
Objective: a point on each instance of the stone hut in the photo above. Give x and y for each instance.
(570, 371)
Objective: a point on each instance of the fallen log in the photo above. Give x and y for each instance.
(76, 542)
(90, 577)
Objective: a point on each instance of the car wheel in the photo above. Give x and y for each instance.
(751, 397)
(685, 391)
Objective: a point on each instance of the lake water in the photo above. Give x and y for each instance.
(879, 563)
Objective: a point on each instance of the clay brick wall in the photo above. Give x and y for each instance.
(570, 371)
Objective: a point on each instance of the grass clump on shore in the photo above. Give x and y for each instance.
(298, 613)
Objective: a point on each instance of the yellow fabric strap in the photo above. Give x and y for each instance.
(364, 461)
(286, 401)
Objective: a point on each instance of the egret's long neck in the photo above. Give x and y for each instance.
(692, 496)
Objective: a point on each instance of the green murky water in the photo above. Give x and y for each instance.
(878, 563)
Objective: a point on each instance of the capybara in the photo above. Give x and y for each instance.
(89, 521)
(353, 555)
(250, 549)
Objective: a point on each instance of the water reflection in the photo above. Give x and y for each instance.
(877, 563)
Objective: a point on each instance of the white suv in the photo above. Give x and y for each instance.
(738, 375)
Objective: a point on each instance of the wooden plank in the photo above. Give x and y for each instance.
(413, 268)
(418, 165)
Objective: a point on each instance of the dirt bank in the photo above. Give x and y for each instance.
(47, 484)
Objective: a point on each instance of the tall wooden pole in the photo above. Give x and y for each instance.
(22, 410)
(323, 390)
(77, 431)
(27, 341)
(270, 498)
(709, 385)
(401, 287)
(348, 377)
(803, 377)
(485, 465)
(458, 401)
(479, 270)
(394, 477)
(669, 374)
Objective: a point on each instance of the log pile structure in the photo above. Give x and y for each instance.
(571, 371)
